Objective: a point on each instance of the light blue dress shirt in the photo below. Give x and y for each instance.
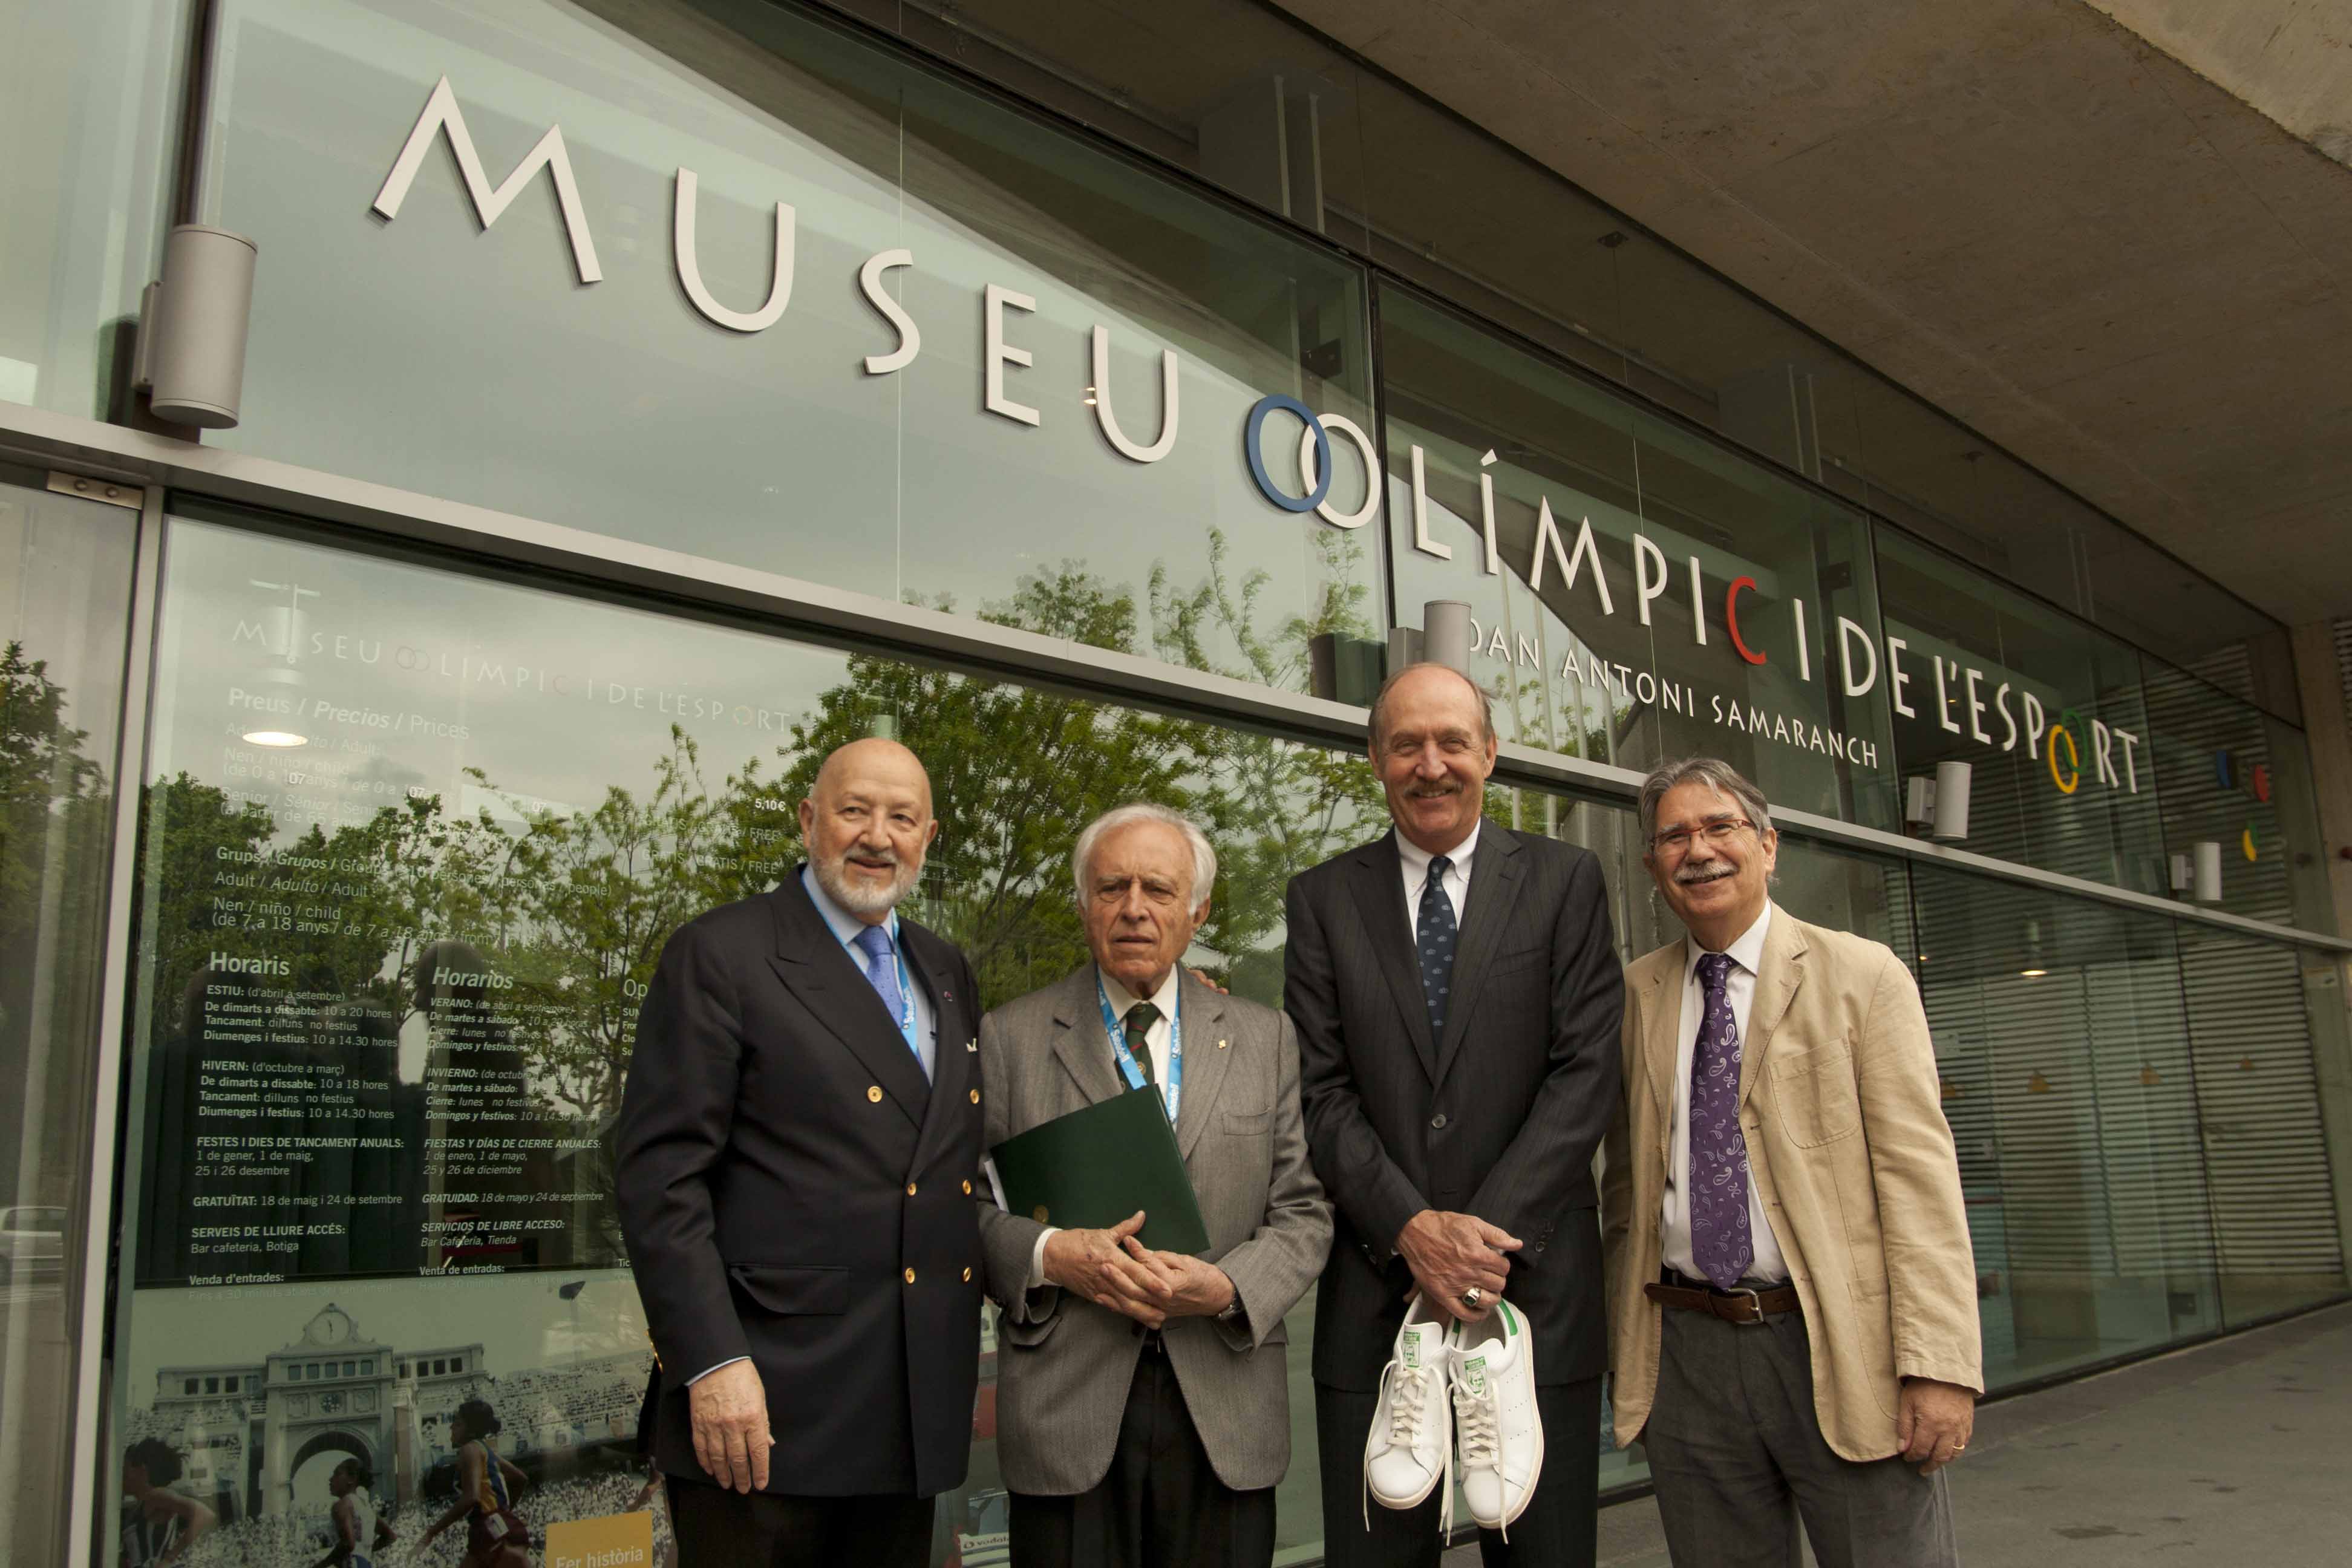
(845, 927)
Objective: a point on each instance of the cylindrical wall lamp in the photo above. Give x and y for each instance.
(1951, 810)
(2208, 872)
(1446, 634)
(1404, 647)
(192, 352)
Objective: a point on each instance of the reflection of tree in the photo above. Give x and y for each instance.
(54, 810)
(575, 906)
(42, 773)
(1274, 809)
(1015, 772)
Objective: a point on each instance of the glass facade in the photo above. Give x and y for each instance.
(1420, 194)
(907, 296)
(66, 567)
(90, 96)
(1646, 592)
(784, 314)
(2048, 713)
(415, 841)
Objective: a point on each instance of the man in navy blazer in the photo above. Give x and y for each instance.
(795, 1157)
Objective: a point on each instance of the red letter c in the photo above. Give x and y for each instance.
(1731, 617)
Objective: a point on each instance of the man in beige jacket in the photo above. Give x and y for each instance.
(1792, 1298)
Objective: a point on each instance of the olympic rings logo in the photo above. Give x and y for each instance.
(1314, 459)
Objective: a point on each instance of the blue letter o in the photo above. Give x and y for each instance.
(1266, 487)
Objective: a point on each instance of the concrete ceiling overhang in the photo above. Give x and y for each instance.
(2020, 209)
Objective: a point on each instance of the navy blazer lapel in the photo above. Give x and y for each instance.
(818, 970)
(955, 1068)
(1495, 874)
(1380, 903)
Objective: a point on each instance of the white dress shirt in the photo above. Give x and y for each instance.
(1415, 861)
(1746, 953)
(1155, 1041)
(846, 928)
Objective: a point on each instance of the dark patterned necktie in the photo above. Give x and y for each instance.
(1434, 934)
(1720, 1243)
(1139, 1019)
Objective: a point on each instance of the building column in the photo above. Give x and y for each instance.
(2328, 728)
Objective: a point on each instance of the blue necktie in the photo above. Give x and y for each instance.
(1434, 934)
(1720, 1243)
(882, 970)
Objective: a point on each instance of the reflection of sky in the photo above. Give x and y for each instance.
(583, 697)
(477, 369)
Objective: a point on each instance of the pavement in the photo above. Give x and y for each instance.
(2229, 1452)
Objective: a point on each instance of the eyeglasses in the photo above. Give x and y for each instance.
(1677, 840)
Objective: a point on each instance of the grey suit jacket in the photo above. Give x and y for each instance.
(1063, 1363)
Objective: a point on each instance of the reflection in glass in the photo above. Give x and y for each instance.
(65, 611)
(921, 422)
(2047, 712)
(90, 119)
(2258, 1010)
(2230, 774)
(2067, 1077)
(392, 973)
(1648, 594)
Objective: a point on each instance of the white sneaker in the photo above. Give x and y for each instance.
(1493, 1368)
(1410, 1451)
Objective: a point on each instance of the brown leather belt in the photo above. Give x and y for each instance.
(1742, 1306)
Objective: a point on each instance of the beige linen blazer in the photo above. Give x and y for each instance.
(1851, 1157)
(1063, 1363)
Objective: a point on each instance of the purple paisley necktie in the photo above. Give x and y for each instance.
(1720, 1243)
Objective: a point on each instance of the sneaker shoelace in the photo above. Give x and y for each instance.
(1477, 1424)
(1406, 1388)
(1409, 1404)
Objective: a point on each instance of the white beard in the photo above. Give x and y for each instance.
(864, 899)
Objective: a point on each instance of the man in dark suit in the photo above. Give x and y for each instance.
(1457, 1074)
(795, 1159)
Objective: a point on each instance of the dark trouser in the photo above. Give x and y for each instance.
(1737, 1452)
(1556, 1530)
(1159, 1506)
(719, 1529)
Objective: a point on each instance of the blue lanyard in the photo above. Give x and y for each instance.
(1172, 1095)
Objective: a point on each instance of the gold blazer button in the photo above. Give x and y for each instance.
(967, 1276)
(910, 1277)
(967, 1189)
(975, 1096)
(874, 1092)
(911, 1189)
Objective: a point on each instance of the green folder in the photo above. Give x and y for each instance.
(1092, 1168)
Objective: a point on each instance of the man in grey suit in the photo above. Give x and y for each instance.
(1142, 1405)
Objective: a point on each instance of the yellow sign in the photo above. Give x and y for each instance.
(615, 1541)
